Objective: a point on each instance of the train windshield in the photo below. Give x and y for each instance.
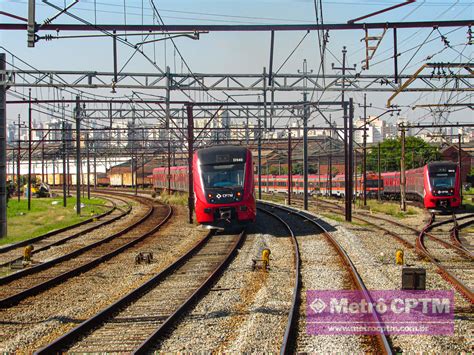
(442, 180)
(227, 176)
(374, 183)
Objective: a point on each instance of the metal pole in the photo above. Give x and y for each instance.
(189, 109)
(290, 175)
(54, 172)
(66, 149)
(18, 162)
(95, 167)
(88, 168)
(330, 167)
(364, 161)
(355, 176)
(136, 173)
(3, 152)
(114, 48)
(31, 26)
(460, 163)
(30, 138)
(319, 174)
(78, 155)
(143, 172)
(305, 153)
(259, 161)
(168, 176)
(347, 199)
(42, 162)
(395, 55)
(350, 149)
(402, 175)
(380, 173)
(64, 162)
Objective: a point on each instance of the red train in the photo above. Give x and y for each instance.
(224, 191)
(319, 184)
(437, 184)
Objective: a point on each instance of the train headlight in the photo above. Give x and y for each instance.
(238, 195)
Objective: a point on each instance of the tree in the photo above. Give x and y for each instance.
(417, 153)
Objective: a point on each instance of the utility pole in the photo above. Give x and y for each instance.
(355, 177)
(380, 173)
(460, 163)
(88, 168)
(64, 161)
(259, 160)
(168, 175)
(189, 109)
(347, 144)
(18, 161)
(305, 136)
(402, 174)
(364, 159)
(3, 151)
(78, 155)
(42, 162)
(30, 138)
(330, 167)
(290, 175)
(350, 181)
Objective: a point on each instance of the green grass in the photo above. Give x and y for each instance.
(391, 208)
(468, 202)
(333, 216)
(44, 216)
(176, 198)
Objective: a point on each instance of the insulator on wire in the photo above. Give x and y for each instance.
(48, 37)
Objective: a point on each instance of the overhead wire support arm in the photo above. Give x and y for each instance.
(407, 2)
(466, 66)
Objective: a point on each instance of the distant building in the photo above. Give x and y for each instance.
(375, 130)
(56, 131)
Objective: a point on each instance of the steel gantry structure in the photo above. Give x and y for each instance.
(177, 118)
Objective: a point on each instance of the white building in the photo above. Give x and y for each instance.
(375, 130)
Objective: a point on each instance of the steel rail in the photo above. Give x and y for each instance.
(69, 237)
(292, 316)
(454, 235)
(38, 288)
(457, 248)
(420, 245)
(382, 339)
(65, 340)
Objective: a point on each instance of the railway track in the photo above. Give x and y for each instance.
(137, 322)
(328, 265)
(454, 263)
(41, 277)
(463, 239)
(14, 252)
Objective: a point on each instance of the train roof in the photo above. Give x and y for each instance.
(436, 164)
(222, 154)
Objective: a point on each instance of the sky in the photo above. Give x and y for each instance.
(237, 52)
